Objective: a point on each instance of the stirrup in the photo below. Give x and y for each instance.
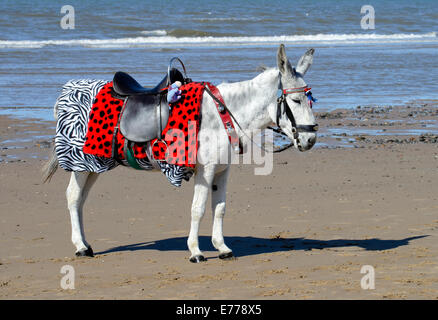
(152, 152)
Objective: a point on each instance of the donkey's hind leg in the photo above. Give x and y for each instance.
(77, 192)
(218, 195)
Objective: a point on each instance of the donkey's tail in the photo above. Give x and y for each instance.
(50, 167)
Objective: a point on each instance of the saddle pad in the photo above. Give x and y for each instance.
(103, 118)
(181, 133)
(182, 128)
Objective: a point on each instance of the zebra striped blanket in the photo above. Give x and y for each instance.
(72, 110)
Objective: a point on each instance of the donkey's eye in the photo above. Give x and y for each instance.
(296, 101)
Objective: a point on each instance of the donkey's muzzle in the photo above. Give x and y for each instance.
(306, 141)
(311, 141)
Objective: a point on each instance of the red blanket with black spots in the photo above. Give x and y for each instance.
(179, 145)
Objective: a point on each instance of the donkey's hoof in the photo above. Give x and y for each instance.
(85, 253)
(197, 259)
(227, 256)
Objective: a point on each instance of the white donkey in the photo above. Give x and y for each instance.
(277, 95)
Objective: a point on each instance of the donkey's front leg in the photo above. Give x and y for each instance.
(203, 181)
(218, 198)
(77, 191)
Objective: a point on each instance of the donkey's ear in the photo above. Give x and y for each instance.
(282, 61)
(305, 61)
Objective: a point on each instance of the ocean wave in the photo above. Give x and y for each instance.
(233, 19)
(167, 39)
(154, 32)
(181, 33)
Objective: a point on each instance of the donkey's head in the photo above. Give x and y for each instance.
(294, 105)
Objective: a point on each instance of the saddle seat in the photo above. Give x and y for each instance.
(146, 111)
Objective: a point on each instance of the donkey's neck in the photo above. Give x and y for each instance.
(250, 101)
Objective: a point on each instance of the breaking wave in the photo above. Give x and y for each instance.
(180, 37)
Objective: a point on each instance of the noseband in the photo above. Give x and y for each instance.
(281, 100)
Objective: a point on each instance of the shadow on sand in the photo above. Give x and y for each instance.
(248, 246)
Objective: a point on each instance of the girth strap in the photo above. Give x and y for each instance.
(129, 155)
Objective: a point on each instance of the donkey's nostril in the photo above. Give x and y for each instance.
(311, 141)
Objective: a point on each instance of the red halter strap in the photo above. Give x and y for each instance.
(226, 116)
(296, 90)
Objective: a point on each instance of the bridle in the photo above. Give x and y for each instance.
(281, 100)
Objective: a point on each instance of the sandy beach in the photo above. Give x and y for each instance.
(366, 195)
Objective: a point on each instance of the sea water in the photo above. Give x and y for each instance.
(390, 61)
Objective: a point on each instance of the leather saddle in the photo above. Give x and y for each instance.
(145, 113)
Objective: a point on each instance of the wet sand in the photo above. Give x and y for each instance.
(365, 195)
